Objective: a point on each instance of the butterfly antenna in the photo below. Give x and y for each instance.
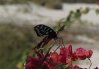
(61, 29)
(61, 40)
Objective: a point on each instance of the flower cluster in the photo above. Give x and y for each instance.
(64, 58)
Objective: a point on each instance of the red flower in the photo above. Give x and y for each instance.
(32, 63)
(83, 54)
(89, 53)
(98, 2)
(74, 57)
(75, 67)
(36, 63)
(65, 54)
(48, 65)
(39, 61)
(50, 60)
(55, 57)
(96, 68)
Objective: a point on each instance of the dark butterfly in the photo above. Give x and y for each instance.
(49, 33)
(43, 30)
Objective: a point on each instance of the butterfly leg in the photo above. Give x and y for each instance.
(61, 42)
(46, 41)
(47, 54)
(39, 45)
(43, 42)
(56, 45)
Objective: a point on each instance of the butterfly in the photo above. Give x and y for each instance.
(43, 30)
(49, 33)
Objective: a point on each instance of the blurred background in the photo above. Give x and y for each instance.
(18, 17)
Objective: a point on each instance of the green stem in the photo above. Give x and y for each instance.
(90, 63)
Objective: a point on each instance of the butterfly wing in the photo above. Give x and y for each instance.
(43, 30)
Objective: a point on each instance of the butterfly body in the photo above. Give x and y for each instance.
(43, 30)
